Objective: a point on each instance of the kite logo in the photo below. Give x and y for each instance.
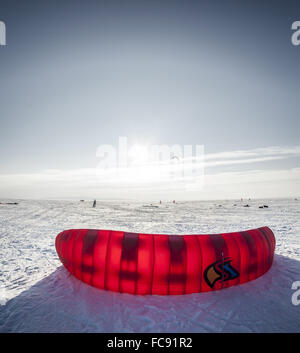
(220, 270)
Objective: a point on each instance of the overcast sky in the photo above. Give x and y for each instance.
(78, 74)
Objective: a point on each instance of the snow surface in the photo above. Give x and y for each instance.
(37, 294)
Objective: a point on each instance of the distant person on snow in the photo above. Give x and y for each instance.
(94, 204)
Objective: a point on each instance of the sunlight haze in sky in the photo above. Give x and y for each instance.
(77, 75)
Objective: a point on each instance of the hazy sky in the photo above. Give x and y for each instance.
(78, 74)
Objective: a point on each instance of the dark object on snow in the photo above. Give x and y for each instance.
(246, 205)
(266, 206)
(12, 203)
(94, 203)
(81, 200)
(260, 206)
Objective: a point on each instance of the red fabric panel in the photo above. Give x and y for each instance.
(177, 272)
(69, 249)
(234, 255)
(58, 244)
(145, 264)
(65, 245)
(272, 240)
(129, 257)
(113, 261)
(87, 260)
(252, 262)
(265, 251)
(244, 257)
(269, 245)
(193, 264)
(77, 253)
(100, 253)
(160, 284)
(260, 269)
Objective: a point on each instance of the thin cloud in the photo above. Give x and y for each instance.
(92, 181)
(283, 151)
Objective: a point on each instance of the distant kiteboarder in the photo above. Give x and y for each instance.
(94, 204)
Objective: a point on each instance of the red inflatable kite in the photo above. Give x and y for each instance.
(165, 264)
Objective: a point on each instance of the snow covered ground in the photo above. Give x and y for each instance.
(38, 295)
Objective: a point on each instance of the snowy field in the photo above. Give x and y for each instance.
(38, 295)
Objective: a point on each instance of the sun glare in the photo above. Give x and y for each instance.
(138, 154)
